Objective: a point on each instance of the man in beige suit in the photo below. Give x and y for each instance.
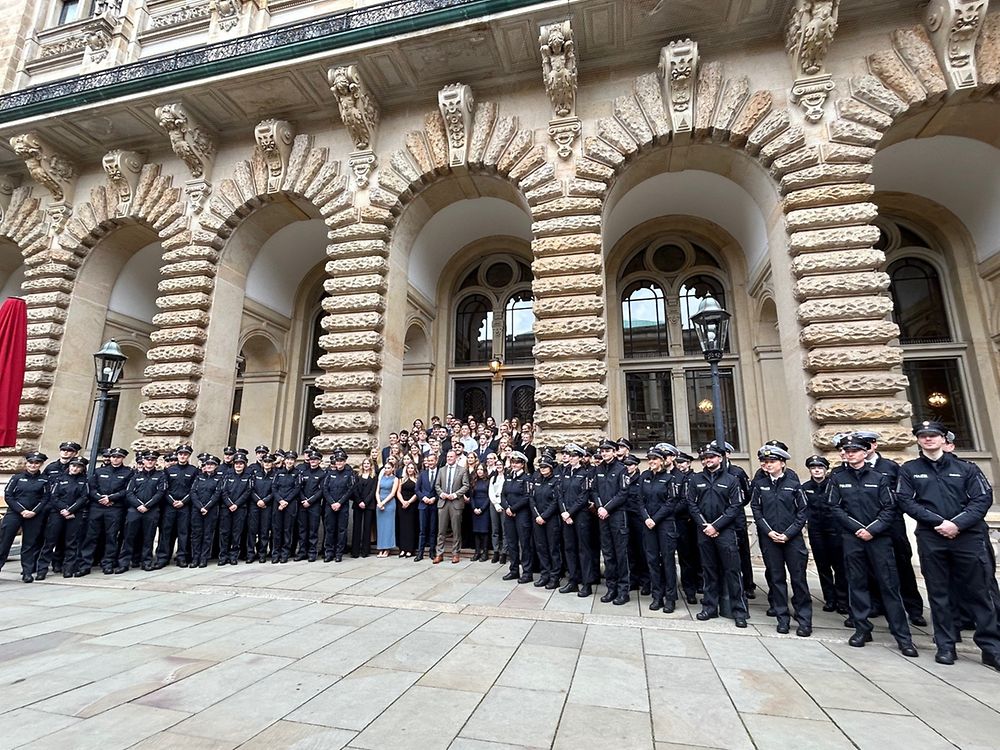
(452, 485)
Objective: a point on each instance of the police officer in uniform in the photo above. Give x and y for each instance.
(27, 496)
(108, 486)
(515, 502)
(545, 516)
(287, 491)
(68, 450)
(237, 487)
(742, 537)
(824, 536)
(611, 494)
(659, 510)
(311, 477)
(175, 523)
(259, 508)
(715, 502)
(638, 568)
(949, 499)
(205, 491)
(69, 495)
(337, 490)
(575, 497)
(146, 489)
(863, 504)
(780, 511)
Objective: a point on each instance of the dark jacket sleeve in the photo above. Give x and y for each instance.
(980, 498)
(621, 493)
(756, 507)
(694, 510)
(734, 507)
(907, 497)
(838, 511)
(130, 497)
(801, 514)
(887, 514)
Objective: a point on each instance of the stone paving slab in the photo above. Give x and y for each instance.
(376, 654)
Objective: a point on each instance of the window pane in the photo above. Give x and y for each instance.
(519, 337)
(316, 351)
(234, 421)
(308, 430)
(644, 324)
(69, 11)
(692, 292)
(918, 302)
(701, 409)
(474, 331)
(650, 409)
(936, 393)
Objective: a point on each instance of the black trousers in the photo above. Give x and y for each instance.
(743, 542)
(140, 531)
(202, 533)
(517, 535)
(32, 531)
(64, 531)
(660, 545)
(361, 536)
(949, 564)
(791, 556)
(258, 531)
(175, 526)
(576, 542)
(107, 521)
(231, 524)
(875, 556)
(309, 519)
(688, 556)
(902, 552)
(828, 554)
(548, 538)
(335, 529)
(638, 569)
(428, 527)
(720, 566)
(614, 547)
(282, 524)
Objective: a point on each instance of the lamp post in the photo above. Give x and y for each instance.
(711, 323)
(109, 363)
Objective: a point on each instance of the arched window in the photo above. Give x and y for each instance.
(918, 304)
(519, 321)
(690, 295)
(644, 320)
(316, 350)
(473, 331)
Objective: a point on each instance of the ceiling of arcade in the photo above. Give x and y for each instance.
(492, 54)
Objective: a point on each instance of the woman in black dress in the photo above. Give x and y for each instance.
(408, 522)
(480, 511)
(364, 510)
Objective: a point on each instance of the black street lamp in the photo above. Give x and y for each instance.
(711, 322)
(108, 365)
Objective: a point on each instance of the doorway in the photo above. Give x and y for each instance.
(519, 399)
(472, 398)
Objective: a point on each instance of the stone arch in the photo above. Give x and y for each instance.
(359, 265)
(855, 368)
(188, 283)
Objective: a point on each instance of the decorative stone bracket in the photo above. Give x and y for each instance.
(8, 184)
(123, 169)
(559, 72)
(274, 142)
(360, 113)
(226, 13)
(810, 32)
(455, 102)
(194, 146)
(678, 75)
(954, 27)
(51, 170)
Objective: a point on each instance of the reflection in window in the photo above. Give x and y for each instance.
(474, 331)
(701, 408)
(692, 292)
(918, 306)
(519, 321)
(936, 392)
(650, 408)
(69, 11)
(644, 324)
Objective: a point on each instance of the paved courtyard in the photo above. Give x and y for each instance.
(388, 654)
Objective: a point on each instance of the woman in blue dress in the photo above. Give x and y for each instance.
(385, 509)
(480, 511)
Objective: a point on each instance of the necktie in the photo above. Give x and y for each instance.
(451, 476)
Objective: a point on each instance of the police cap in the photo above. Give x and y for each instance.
(608, 445)
(69, 445)
(928, 427)
(772, 452)
(631, 460)
(817, 460)
(118, 453)
(35, 457)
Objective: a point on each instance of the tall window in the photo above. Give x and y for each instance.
(519, 337)
(69, 11)
(933, 355)
(474, 331)
(496, 294)
(644, 320)
(668, 391)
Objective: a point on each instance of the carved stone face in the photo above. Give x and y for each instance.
(556, 39)
(341, 84)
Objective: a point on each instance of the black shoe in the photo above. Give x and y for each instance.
(162, 565)
(918, 620)
(222, 561)
(40, 575)
(81, 573)
(645, 590)
(782, 628)
(283, 560)
(859, 639)
(622, 598)
(569, 588)
(525, 579)
(828, 607)
(121, 569)
(67, 574)
(312, 558)
(991, 660)
(538, 583)
(503, 558)
(770, 612)
(495, 559)
(609, 596)
(741, 622)
(668, 606)
(751, 593)
(908, 649)
(327, 558)
(274, 561)
(262, 559)
(803, 631)
(843, 609)
(945, 656)
(147, 567)
(182, 563)
(849, 622)
(552, 584)
(509, 575)
(300, 558)
(203, 564)
(584, 591)
(706, 615)
(655, 605)
(56, 568)
(338, 558)
(691, 599)
(419, 556)
(107, 571)
(26, 578)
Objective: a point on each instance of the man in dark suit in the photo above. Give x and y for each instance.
(427, 500)
(452, 485)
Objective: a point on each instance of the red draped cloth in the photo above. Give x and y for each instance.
(13, 350)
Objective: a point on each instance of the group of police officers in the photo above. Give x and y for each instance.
(559, 520)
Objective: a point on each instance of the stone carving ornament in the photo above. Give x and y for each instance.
(190, 143)
(360, 113)
(810, 33)
(559, 67)
(678, 74)
(123, 168)
(48, 168)
(274, 139)
(954, 27)
(455, 102)
(227, 13)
